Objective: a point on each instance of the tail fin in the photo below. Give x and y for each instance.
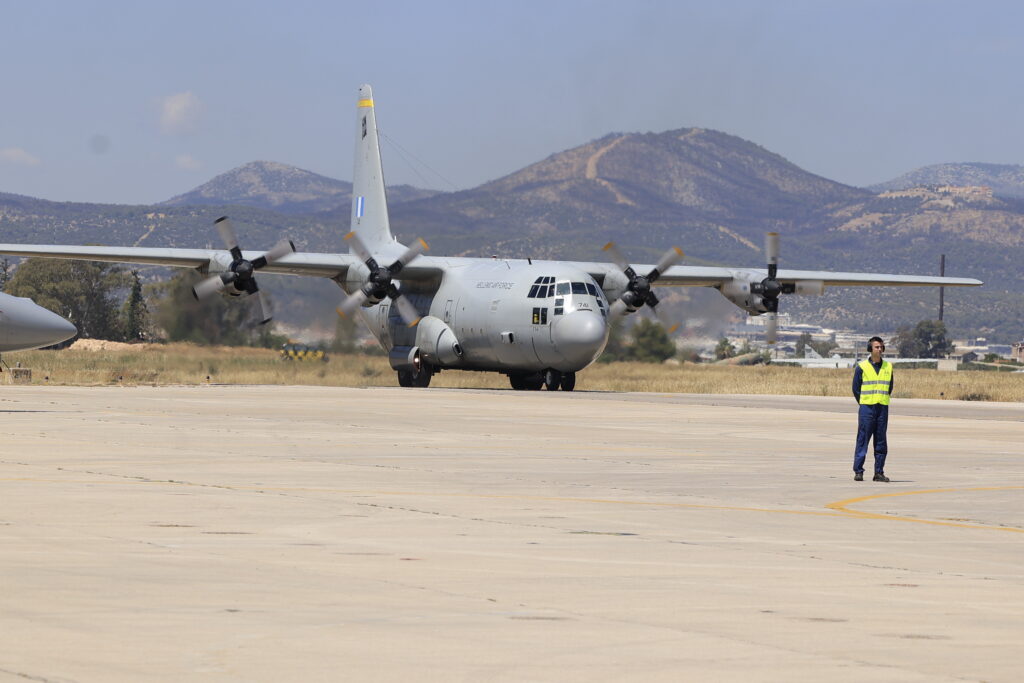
(369, 201)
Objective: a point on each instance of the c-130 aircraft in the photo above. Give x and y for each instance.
(538, 322)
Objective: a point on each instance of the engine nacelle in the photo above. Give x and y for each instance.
(357, 276)
(738, 290)
(614, 284)
(437, 342)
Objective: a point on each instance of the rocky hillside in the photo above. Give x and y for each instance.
(1006, 180)
(283, 188)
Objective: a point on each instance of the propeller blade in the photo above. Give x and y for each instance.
(228, 236)
(671, 257)
(663, 317)
(282, 248)
(408, 312)
(263, 306)
(351, 304)
(357, 247)
(417, 248)
(771, 327)
(771, 252)
(618, 308)
(618, 258)
(210, 286)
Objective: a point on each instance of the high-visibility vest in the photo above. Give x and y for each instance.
(874, 386)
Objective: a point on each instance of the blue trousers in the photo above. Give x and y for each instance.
(872, 421)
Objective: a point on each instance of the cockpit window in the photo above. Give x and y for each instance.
(563, 288)
(591, 290)
(579, 288)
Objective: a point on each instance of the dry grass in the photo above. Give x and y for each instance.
(189, 364)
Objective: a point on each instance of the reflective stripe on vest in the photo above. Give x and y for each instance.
(874, 387)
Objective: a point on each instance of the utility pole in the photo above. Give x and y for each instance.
(942, 290)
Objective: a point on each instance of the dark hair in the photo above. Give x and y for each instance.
(876, 339)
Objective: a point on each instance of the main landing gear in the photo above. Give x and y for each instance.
(416, 377)
(552, 380)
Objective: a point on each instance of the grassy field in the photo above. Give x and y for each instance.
(188, 364)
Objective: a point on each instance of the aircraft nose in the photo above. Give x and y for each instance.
(32, 327)
(579, 338)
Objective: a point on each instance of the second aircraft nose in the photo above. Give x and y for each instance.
(579, 338)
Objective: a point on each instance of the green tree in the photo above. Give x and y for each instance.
(346, 335)
(616, 348)
(927, 339)
(802, 344)
(135, 312)
(651, 344)
(6, 271)
(84, 292)
(725, 349)
(227, 321)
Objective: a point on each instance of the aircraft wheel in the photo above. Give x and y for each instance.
(517, 382)
(569, 381)
(421, 377)
(552, 378)
(404, 378)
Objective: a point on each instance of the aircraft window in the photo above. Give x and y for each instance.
(549, 279)
(559, 302)
(536, 316)
(538, 281)
(558, 311)
(544, 316)
(551, 290)
(563, 288)
(533, 292)
(591, 290)
(579, 288)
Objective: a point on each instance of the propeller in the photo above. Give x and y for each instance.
(240, 275)
(638, 291)
(770, 288)
(380, 283)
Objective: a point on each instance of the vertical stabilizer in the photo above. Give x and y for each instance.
(369, 201)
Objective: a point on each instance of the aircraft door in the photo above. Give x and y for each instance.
(448, 312)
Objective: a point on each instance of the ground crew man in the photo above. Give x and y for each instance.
(872, 388)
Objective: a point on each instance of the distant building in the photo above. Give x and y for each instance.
(1018, 352)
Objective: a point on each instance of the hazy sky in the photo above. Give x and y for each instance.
(134, 102)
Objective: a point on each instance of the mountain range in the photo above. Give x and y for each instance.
(711, 193)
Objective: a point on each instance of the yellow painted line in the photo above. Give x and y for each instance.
(836, 509)
(365, 103)
(843, 507)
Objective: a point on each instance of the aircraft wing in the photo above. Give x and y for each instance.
(203, 260)
(705, 276)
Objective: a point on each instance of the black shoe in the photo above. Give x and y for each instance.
(880, 477)
(859, 476)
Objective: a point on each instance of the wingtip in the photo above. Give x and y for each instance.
(608, 246)
(426, 247)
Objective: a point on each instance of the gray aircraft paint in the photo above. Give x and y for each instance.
(25, 325)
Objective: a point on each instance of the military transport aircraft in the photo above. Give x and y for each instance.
(25, 325)
(538, 322)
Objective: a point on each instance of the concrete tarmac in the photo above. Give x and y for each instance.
(267, 533)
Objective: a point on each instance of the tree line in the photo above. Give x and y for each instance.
(107, 301)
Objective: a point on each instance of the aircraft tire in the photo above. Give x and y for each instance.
(568, 381)
(404, 378)
(526, 382)
(421, 377)
(552, 378)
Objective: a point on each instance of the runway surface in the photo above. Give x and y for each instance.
(305, 533)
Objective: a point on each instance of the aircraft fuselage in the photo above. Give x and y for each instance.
(501, 315)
